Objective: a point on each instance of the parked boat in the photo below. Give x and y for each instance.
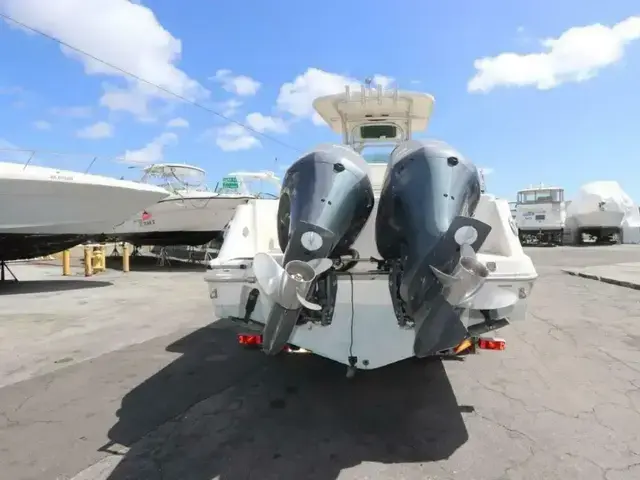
(46, 210)
(192, 214)
(370, 263)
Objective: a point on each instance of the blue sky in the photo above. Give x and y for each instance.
(565, 116)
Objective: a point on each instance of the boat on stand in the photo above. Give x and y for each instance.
(193, 215)
(367, 263)
(47, 210)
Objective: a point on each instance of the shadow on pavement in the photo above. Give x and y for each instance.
(43, 286)
(292, 416)
(148, 263)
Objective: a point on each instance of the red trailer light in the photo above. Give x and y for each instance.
(249, 339)
(491, 344)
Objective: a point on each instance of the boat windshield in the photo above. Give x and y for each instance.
(248, 185)
(176, 178)
(377, 153)
(550, 195)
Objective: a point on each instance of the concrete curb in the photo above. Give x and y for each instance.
(612, 281)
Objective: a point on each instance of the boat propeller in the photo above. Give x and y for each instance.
(288, 288)
(467, 281)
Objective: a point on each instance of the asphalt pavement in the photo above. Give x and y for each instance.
(128, 377)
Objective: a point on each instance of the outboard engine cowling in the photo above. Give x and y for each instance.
(325, 201)
(425, 229)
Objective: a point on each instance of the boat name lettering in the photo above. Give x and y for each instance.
(67, 178)
(146, 223)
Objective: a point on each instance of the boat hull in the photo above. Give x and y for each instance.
(364, 322)
(193, 220)
(377, 335)
(25, 246)
(40, 200)
(44, 210)
(598, 219)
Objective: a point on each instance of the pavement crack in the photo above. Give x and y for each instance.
(619, 360)
(607, 471)
(554, 326)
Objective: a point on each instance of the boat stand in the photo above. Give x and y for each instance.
(5, 268)
(163, 258)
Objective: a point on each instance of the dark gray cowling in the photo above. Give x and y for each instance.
(327, 191)
(425, 228)
(325, 200)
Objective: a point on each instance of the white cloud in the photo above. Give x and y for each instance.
(120, 32)
(234, 137)
(178, 122)
(42, 125)
(576, 55)
(264, 123)
(238, 84)
(153, 152)
(96, 131)
(383, 81)
(230, 107)
(74, 112)
(485, 170)
(296, 98)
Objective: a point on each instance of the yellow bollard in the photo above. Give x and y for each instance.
(97, 259)
(88, 265)
(66, 263)
(103, 257)
(125, 257)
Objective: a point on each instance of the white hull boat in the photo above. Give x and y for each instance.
(345, 269)
(540, 214)
(189, 216)
(598, 212)
(45, 210)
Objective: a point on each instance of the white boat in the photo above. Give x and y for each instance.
(514, 209)
(598, 211)
(45, 210)
(358, 262)
(540, 214)
(192, 214)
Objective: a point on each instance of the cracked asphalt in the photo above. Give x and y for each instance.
(133, 381)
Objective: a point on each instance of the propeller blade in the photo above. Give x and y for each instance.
(268, 272)
(320, 265)
(307, 304)
(445, 279)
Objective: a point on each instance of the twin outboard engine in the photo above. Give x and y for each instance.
(325, 201)
(425, 230)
